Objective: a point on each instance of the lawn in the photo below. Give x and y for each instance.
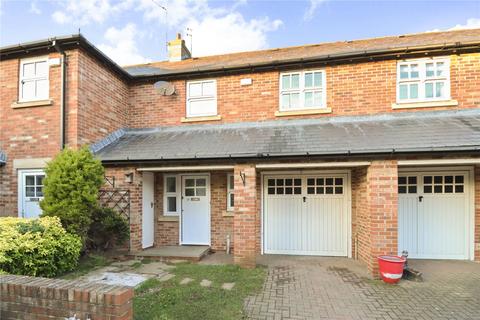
(172, 300)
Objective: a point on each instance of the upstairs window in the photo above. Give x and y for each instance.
(302, 90)
(33, 79)
(423, 80)
(201, 98)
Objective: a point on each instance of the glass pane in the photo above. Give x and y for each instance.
(189, 192)
(448, 189)
(448, 179)
(30, 191)
(41, 69)
(28, 90)
(412, 189)
(232, 200)
(429, 90)
(201, 192)
(295, 84)
(294, 100)
(311, 190)
(30, 180)
(288, 190)
(320, 181)
(404, 72)
(271, 190)
(297, 182)
(412, 180)
(311, 182)
(172, 204)
(459, 189)
(440, 69)
(438, 179)
(308, 80)
(279, 182)
(437, 189)
(285, 100)
(195, 89)
(201, 182)
(338, 190)
(403, 91)
(308, 99)
(285, 82)
(231, 182)
(427, 179)
(402, 180)
(414, 71)
(209, 88)
(297, 190)
(318, 79)
(171, 184)
(42, 89)
(288, 182)
(39, 191)
(317, 98)
(427, 189)
(40, 180)
(29, 70)
(429, 70)
(329, 181)
(413, 91)
(402, 189)
(329, 190)
(458, 179)
(320, 190)
(279, 190)
(338, 181)
(271, 182)
(439, 89)
(190, 182)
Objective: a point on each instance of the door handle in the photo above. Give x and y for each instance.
(304, 199)
(151, 204)
(420, 198)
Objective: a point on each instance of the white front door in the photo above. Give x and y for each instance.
(306, 214)
(148, 221)
(30, 193)
(433, 215)
(195, 218)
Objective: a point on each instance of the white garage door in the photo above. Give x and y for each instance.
(433, 211)
(306, 214)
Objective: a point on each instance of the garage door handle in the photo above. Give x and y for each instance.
(304, 199)
(420, 198)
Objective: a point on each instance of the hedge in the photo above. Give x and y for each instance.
(37, 247)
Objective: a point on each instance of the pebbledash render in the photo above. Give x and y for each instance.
(353, 149)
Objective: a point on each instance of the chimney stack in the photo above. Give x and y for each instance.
(177, 50)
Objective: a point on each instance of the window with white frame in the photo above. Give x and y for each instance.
(171, 197)
(33, 80)
(423, 80)
(302, 90)
(201, 98)
(230, 193)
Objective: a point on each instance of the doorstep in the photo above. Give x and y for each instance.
(170, 253)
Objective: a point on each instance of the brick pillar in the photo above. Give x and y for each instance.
(136, 212)
(382, 221)
(245, 216)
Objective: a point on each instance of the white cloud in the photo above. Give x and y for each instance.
(34, 8)
(121, 45)
(86, 11)
(472, 23)
(230, 33)
(310, 12)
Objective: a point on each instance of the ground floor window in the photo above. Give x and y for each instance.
(230, 192)
(171, 197)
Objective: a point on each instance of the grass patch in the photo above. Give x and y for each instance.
(170, 300)
(86, 264)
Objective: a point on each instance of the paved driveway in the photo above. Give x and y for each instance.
(338, 288)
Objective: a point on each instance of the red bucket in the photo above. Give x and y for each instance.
(391, 268)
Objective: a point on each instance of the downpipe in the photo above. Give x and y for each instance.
(63, 88)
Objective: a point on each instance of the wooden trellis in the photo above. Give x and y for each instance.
(116, 199)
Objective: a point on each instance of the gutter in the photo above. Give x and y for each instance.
(63, 79)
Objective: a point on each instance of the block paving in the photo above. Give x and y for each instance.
(339, 288)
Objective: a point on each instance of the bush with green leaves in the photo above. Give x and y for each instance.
(71, 187)
(37, 247)
(108, 229)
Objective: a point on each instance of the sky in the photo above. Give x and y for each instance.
(135, 31)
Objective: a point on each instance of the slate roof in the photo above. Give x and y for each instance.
(386, 133)
(321, 51)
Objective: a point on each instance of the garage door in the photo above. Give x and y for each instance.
(306, 214)
(433, 213)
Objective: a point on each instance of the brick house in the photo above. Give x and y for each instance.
(354, 149)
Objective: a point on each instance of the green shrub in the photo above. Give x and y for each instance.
(37, 247)
(108, 228)
(71, 187)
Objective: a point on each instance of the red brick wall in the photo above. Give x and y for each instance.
(360, 217)
(352, 89)
(40, 298)
(477, 213)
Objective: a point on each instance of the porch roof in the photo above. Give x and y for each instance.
(385, 133)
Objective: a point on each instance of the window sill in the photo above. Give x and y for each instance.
(428, 104)
(199, 119)
(36, 103)
(168, 218)
(302, 112)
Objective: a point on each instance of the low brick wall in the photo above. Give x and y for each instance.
(33, 298)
